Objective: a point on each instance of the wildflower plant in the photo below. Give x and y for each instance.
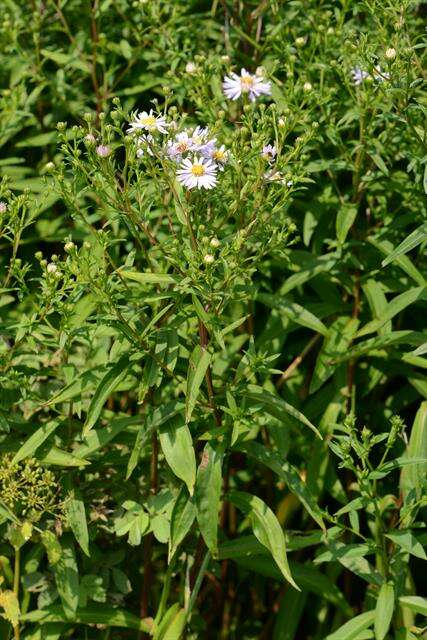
(212, 320)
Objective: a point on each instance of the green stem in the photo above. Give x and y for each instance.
(16, 579)
(197, 585)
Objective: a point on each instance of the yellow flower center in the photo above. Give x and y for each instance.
(246, 83)
(219, 155)
(198, 170)
(181, 147)
(149, 121)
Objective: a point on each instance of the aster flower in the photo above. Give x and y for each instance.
(199, 140)
(179, 145)
(148, 122)
(269, 152)
(219, 155)
(359, 75)
(254, 85)
(199, 172)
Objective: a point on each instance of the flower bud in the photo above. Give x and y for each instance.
(390, 54)
(209, 258)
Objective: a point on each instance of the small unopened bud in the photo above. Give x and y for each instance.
(190, 67)
(281, 122)
(61, 126)
(103, 150)
(69, 246)
(307, 86)
(3, 206)
(51, 268)
(390, 54)
(214, 243)
(49, 166)
(209, 258)
(300, 42)
(225, 58)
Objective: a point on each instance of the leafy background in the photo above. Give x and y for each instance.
(326, 315)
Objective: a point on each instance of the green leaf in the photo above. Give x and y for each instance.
(276, 406)
(177, 446)
(149, 278)
(402, 261)
(141, 437)
(52, 546)
(345, 218)
(408, 542)
(266, 528)
(31, 445)
(341, 333)
(350, 630)
(415, 604)
(294, 312)
(391, 465)
(172, 625)
(76, 515)
(384, 611)
(288, 473)
(67, 579)
(208, 495)
(108, 384)
(398, 304)
(413, 477)
(92, 615)
(319, 265)
(413, 240)
(9, 602)
(199, 362)
(182, 518)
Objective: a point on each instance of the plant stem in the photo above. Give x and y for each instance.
(16, 579)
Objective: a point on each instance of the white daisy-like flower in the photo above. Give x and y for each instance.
(199, 172)
(199, 139)
(219, 155)
(181, 144)
(148, 122)
(269, 152)
(254, 85)
(144, 143)
(359, 75)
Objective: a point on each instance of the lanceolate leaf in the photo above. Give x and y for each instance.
(93, 614)
(199, 362)
(351, 630)
(276, 406)
(384, 611)
(289, 474)
(413, 477)
(340, 336)
(107, 385)
(265, 527)
(398, 304)
(408, 542)
(76, 515)
(31, 445)
(182, 518)
(413, 240)
(67, 579)
(208, 495)
(177, 446)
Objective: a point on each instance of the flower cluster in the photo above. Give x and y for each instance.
(197, 155)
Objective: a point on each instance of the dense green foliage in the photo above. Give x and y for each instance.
(213, 415)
